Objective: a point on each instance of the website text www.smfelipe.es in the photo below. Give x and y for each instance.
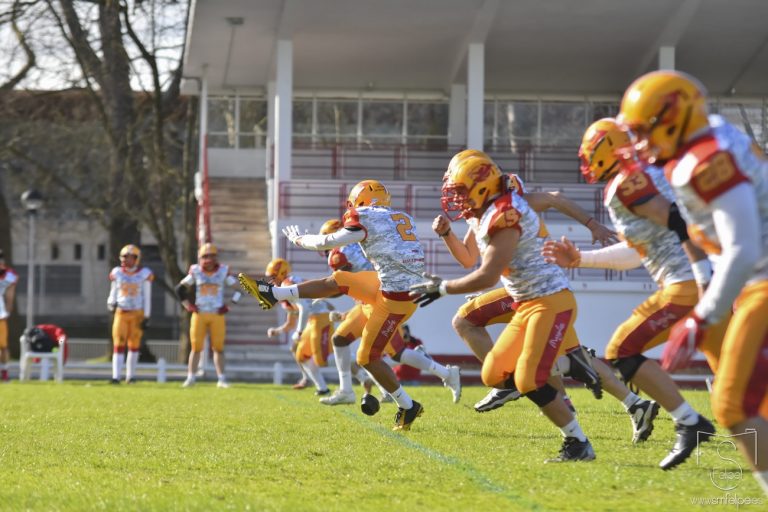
(727, 499)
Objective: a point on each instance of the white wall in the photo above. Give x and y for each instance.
(237, 163)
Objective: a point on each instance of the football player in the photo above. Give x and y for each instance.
(130, 297)
(209, 279)
(354, 323)
(389, 241)
(8, 279)
(720, 181)
(508, 235)
(311, 325)
(496, 306)
(642, 207)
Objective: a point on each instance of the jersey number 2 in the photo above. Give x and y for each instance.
(404, 227)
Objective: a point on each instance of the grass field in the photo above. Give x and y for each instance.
(92, 446)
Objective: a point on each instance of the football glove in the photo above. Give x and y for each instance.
(144, 324)
(429, 291)
(293, 234)
(336, 316)
(191, 308)
(223, 310)
(684, 339)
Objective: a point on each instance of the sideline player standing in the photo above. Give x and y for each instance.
(130, 297)
(8, 279)
(209, 279)
(720, 181)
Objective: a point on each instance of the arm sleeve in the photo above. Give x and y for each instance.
(616, 257)
(303, 306)
(146, 289)
(338, 239)
(112, 298)
(737, 224)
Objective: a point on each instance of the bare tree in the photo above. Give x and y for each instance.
(124, 59)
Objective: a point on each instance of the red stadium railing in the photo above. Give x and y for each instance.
(403, 162)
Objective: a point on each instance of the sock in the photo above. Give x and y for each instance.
(222, 378)
(343, 356)
(310, 366)
(362, 376)
(685, 415)
(418, 360)
(562, 366)
(762, 479)
(117, 365)
(191, 376)
(573, 430)
(401, 397)
(286, 292)
(130, 368)
(630, 400)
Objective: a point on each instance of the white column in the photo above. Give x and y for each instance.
(283, 126)
(667, 57)
(203, 120)
(457, 116)
(475, 95)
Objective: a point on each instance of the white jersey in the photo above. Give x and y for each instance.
(390, 244)
(209, 286)
(715, 163)
(356, 258)
(528, 276)
(128, 288)
(658, 247)
(7, 279)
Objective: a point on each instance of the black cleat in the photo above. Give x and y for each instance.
(323, 392)
(131, 381)
(496, 398)
(114, 381)
(582, 371)
(369, 404)
(688, 438)
(574, 450)
(259, 289)
(404, 418)
(642, 413)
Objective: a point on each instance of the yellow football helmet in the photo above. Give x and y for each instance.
(207, 248)
(663, 109)
(278, 269)
(331, 226)
(598, 156)
(470, 186)
(368, 193)
(131, 250)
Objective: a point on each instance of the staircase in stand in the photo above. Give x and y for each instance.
(241, 233)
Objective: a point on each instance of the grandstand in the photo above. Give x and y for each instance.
(370, 89)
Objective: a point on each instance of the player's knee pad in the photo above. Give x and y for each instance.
(542, 396)
(628, 366)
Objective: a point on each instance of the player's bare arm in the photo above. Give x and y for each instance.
(541, 201)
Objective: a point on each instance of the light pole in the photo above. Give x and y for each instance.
(32, 201)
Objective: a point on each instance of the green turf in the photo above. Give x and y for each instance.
(92, 446)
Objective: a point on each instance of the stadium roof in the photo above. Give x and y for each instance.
(531, 46)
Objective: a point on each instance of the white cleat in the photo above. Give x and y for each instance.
(338, 398)
(222, 384)
(454, 382)
(496, 398)
(188, 383)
